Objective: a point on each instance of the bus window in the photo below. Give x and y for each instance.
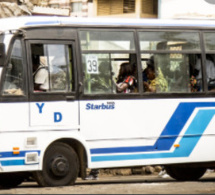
(210, 59)
(97, 73)
(52, 68)
(102, 54)
(107, 40)
(166, 54)
(14, 79)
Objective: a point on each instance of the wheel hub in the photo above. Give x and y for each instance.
(60, 166)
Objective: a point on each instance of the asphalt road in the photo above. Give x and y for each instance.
(151, 184)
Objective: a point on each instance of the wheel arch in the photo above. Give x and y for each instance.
(79, 149)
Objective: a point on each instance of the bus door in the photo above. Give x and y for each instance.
(14, 109)
(53, 97)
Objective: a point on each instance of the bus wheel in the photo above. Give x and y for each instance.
(60, 166)
(10, 180)
(185, 173)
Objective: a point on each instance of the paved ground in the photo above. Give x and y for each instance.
(151, 184)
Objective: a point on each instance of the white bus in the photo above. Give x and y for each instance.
(80, 121)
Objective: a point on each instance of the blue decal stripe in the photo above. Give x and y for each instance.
(21, 154)
(13, 162)
(42, 23)
(187, 143)
(171, 131)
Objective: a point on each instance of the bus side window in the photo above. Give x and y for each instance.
(101, 82)
(101, 68)
(14, 78)
(153, 77)
(52, 70)
(170, 71)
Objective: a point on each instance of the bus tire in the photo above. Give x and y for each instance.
(60, 166)
(185, 173)
(10, 180)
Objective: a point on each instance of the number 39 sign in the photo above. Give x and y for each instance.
(92, 64)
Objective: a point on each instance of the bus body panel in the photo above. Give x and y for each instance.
(180, 138)
(14, 117)
(124, 119)
(63, 115)
(52, 115)
(25, 151)
(126, 151)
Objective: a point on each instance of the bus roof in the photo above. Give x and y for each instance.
(14, 23)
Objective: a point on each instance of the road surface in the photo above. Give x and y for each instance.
(151, 184)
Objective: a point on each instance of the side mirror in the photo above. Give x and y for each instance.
(2, 54)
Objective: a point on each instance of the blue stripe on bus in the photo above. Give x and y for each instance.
(42, 23)
(13, 162)
(187, 143)
(18, 162)
(169, 134)
(21, 154)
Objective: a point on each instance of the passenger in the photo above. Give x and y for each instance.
(210, 71)
(126, 81)
(40, 74)
(154, 83)
(150, 62)
(103, 79)
(193, 84)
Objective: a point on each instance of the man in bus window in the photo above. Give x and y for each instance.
(40, 75)
(102, 82)
(210, 71)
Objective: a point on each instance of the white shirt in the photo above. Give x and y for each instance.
(41, 78)
(210, 69)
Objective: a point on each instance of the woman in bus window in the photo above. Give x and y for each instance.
(154, 83)
(126, 81)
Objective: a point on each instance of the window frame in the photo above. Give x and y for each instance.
(15, 98)
(135, 51)
(141, 94)
(50, 95)
(201, 51)
(108, 30)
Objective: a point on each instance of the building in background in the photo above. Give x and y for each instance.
(12, 8)
(77, 8)
(105, 8)
(187, 9)
(126, 8)
(163, 9)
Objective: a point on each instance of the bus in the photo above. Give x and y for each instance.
(81, 121)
